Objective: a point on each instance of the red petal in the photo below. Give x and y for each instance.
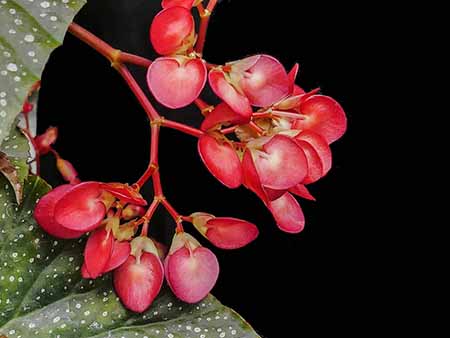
(301, 191)
(81, 208)
(282, 163)
(84, 272)
(176, 82)
(230, 233)
(273, 194)
(182, 3)
(221, 160)
(192, 274)
(292, 76)
(250, 176)
(288, 214)
(315, 167)
(298, 90)
(320, 145)
(323, 115)
(229, 94)
(222, 114)
(138, 284)
(124, 192)
(98, 252)
(119, 254)
(44, 214)
(171, 29)
(266, 82)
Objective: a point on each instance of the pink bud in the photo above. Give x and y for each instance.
(138, 282)
(67, 171)
(191, 270)
(44, 141)
(225, 232)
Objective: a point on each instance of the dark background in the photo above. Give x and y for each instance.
(282, 284)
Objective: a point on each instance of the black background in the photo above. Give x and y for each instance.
(282, 284)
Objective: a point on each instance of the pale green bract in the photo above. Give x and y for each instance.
(42, 293)
(29, 31)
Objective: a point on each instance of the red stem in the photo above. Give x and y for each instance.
(182, 127)
(36, 151)
(204, 22)
(148, 216)
(134, 59)
(175, 215)
(138, 92)
(117, 58)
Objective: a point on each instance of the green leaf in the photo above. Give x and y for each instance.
(29, 31)
(42, 293)
(14, 154)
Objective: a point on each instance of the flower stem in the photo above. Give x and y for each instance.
(204, 22)
(182, 127)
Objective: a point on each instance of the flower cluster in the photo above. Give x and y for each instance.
(284, 133)
(280, 142)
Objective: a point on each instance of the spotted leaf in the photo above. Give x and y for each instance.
(42, 293)
(29, 32)
(14, 153)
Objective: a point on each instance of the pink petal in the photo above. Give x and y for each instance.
(281, 164)
(297, 90)
(250, 177)
(229, 94)
(119, 254)
(84, 272)
(98, 252)
(176, 81)
(222, 114)
(230, 233)
(221, 160)
(172, 31)
(315, 167)
(266, 82)
(192, 274)
(81, 208)
(324, 116)
(288, 214)
(301, 191)
(292, 76)
(273, 194)
(138, 284)
(124, 192)
(44, 214)
(320, 145)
